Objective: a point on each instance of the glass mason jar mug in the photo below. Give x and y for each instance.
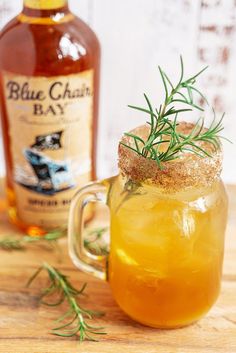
(167, 237)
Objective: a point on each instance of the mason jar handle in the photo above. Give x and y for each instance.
(83, 259)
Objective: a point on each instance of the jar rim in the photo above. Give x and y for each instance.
(187, 171)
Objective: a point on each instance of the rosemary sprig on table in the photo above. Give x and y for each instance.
(93, 241)
(163, 129)
(10, 244)
(13, 243)
(75, 321)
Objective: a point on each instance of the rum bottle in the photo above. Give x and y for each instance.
(49, 83)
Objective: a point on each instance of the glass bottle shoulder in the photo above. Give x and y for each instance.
(48, 49)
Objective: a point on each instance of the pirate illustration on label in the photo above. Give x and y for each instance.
(50, 176)
(48, 142)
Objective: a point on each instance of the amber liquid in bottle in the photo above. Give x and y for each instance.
(49, 80)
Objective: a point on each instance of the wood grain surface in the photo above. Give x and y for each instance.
(25, 324)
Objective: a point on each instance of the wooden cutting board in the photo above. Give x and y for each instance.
(25, 324)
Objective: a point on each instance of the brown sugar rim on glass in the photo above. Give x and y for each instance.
(187, 171)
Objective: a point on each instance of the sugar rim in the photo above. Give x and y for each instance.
(188, 171)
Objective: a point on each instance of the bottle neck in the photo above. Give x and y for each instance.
(45, 8)
(45, 4)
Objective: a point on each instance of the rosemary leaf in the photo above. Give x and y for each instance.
(74, 321)
(91, 241)
(163, 129)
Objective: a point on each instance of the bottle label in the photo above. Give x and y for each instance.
(50, 128)
(44, 4)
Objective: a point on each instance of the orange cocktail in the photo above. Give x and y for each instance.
(166, 252)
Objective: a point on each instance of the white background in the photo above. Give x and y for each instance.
(136, 36)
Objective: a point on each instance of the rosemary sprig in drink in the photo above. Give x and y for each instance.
(163, 129)
(75, 321)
